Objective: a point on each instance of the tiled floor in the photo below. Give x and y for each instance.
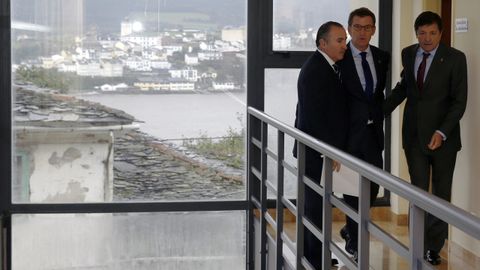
(383, 258)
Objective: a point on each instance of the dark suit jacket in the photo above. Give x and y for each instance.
(439, 105)
(361, 108)
(322, 108)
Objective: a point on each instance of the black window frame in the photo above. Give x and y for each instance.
(260, 56)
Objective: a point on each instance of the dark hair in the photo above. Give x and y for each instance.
(428, 18)
(361, 12)
(324, 30)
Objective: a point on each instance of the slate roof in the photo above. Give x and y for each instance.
(39, 109)
(145, 169)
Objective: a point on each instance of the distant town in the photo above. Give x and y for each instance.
(140, 61)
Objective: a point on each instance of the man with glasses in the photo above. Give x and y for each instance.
(434, 83)
(364, 71)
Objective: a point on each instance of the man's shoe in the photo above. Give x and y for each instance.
(432, 257)
(349, 246)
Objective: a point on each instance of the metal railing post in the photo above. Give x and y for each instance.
(327, 214)
(263, 200)
(416, 234)
(421, 202)
(300, 204)
(364, 214)
(280, 217)
(250, 260)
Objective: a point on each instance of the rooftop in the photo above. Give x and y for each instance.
(40, 109)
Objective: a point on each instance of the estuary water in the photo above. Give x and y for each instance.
(176, 116)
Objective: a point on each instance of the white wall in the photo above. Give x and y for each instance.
(67, 167)
(466, 184)
(68, 173)
(404, 13)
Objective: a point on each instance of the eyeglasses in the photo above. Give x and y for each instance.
(367, 28)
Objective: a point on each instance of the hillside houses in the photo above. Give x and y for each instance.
(194, 59)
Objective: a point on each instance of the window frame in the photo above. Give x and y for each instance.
(8, 208)
(265, 57)
(260, 56)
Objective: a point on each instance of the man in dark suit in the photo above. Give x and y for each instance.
(321, 113)
(364, 71)
(434, 82)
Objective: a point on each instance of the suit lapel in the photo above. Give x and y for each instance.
(326, 66)
(378, 66)
(410, 67)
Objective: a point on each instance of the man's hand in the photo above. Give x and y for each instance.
(436, 141)
(336, 166)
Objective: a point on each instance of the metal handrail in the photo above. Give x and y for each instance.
(420, 200)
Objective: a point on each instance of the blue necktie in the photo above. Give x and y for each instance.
(368, 75)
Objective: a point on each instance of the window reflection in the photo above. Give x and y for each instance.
(128, 100)
(295, 23)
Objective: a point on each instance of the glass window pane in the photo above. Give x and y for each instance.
(281, 102)
(143, 102)
(176, 241)
(295, 23)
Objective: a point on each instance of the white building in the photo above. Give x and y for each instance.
(169, 85)
(106, 54)
(65, 155)
(82, 54)
(229, 46)
(199, 36)
(210, 56)
(281, 42)
(161, 64)
(187, 74)
(206, 75)
(113, 88)
(191, 59)
(67, 66)
(207, 46)
(138, 64)
(223, 86)
(170, 49)
(233, 34)
(89, 68)
(112, 69)
(143, 39)
(182, 86)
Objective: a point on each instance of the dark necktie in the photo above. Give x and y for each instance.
(421, 71)
(336, 70)
(368, 75)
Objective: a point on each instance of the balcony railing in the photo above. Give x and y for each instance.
(421, 202)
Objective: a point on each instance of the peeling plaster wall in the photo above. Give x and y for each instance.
(70, 172)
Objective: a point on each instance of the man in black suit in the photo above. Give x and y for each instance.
(364, 71)
(434, 83)
(321, 113)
